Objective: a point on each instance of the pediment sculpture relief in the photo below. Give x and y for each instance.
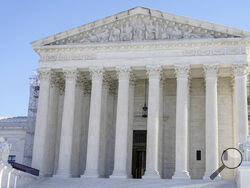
(139, 28)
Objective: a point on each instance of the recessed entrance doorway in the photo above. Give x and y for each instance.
(139, 153)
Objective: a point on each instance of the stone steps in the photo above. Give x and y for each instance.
(127, 183)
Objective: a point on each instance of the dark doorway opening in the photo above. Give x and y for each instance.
(139, 153)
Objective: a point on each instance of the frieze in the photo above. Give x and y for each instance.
(211, 51)
(67, 57)
(214, 51)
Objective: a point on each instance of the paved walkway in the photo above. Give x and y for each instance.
(127, 183)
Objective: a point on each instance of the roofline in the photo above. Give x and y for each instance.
(144, 11)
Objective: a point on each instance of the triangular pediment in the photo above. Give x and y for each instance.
(140, 24)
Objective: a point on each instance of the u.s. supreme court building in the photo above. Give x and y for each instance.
(141, 93)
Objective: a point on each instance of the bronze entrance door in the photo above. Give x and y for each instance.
(139, 153)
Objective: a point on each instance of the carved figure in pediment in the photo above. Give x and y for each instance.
(189, 35)
(150, 30)
(83, 40)
(103, 36)
(115, 34)
(177, 33)
(162, 32)
(93, 38)
(139, 30)
(127, 33)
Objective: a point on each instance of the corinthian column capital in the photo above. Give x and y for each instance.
(96, 72)
(123, 72)
(44, 73)
(182, 71)
(70, 74)
(210, 70)
(154, 71)
(240, 69)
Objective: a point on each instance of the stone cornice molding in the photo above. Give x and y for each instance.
(44, 74)
(123, 72)
(210, 71)
(240, 70)
(182, 71)
(70, 74)
(96, 73)
(154, 71)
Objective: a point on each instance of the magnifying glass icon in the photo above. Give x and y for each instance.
(231, 158)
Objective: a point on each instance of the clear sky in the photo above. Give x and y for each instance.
(23, 21)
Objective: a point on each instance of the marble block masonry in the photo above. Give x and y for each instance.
(94, 80)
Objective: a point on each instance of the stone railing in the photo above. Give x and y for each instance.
(10, 177)
(245, 150)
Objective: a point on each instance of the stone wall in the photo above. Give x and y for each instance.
(169, 119)
(14, 131)
(225, 118)
(197, 128)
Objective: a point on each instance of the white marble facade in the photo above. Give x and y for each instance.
(92, 82)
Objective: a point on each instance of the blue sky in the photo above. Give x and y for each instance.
(23, 21)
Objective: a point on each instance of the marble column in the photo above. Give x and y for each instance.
(39, 148)
(211, 121)
(181, 144)
(77, 129)
(130, 126)
(52, 124)
(93, 148)
(153, 122)
(240, 89)
(65, 151)
(104, 128)
(85, 126)
(122, 120)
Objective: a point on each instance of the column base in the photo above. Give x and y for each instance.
(119, 174)
(183, 175)
(62, 174)
(90, 173)
(208, 174)
(151, 174)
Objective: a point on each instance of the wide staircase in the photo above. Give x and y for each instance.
(127, 183)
